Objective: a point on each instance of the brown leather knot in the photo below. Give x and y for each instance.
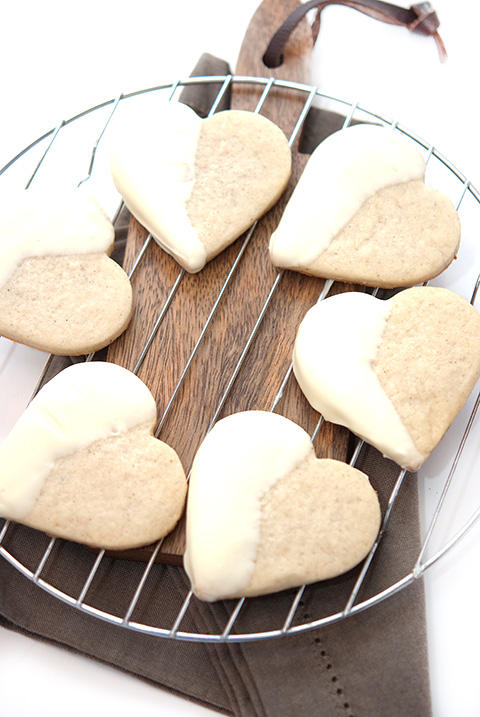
(420, 18)
(427, 23)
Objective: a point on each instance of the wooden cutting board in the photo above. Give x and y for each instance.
(265, 364)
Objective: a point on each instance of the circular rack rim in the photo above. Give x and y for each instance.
(352, 607)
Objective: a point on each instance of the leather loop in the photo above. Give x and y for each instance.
(419, 18)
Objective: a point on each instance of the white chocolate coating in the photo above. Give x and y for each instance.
(345, 169)
(226, 487)
(82, 404)
(335, 347)
(152, 161)
(51, 223)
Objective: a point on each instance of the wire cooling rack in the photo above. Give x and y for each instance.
(75, 153)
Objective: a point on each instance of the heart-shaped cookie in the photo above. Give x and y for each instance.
(361, 212)
(59, 290)
(395, 372)
(264, 514)
(197, 184)
(81, 462)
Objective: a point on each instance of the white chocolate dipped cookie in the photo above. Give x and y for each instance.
(395, 372)
(361, 212)
(264, 514)
(59, 290)
(82, 464)
(197, 184)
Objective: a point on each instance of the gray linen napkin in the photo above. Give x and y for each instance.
(371, 664)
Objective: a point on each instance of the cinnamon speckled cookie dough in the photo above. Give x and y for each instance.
(198, 184)
(59, 290)
(82, 463)
(361, 212)
(264, 514)
(396, 372)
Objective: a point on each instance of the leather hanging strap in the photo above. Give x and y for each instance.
(419, 18)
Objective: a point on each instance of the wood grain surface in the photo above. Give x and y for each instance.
(239, 362)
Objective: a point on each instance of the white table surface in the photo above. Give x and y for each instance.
(59, 59)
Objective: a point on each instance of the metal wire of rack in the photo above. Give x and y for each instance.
(42, 150)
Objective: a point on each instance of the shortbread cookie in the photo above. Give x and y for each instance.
(59, 290)
(395, 372)
(197, 184)
(264, 514)
(361, 212)
(82, 463)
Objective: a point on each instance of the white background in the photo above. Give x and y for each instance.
(59, 58)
